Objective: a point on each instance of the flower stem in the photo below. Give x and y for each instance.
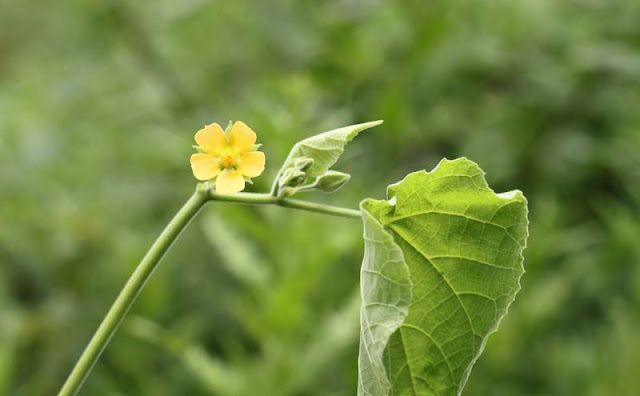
(130, 291)
(268, 199)
(149, 263)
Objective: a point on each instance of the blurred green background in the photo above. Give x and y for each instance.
(99, 102)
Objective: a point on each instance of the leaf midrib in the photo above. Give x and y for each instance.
(446, 281)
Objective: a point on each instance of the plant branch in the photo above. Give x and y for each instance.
(149, 263)
(131, 289)
(268, 199)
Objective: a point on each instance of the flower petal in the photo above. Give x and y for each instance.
(212, 139)
(241, 138)
(204, 166)
(229, 181)
(251, 164)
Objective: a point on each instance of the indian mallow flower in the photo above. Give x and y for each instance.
(228, 159)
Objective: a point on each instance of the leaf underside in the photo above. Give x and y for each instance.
(443, 261)
(327, 147)
(312, 159)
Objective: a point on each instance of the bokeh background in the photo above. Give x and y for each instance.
(99, 101)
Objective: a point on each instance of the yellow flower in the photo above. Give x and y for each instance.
(227, 159)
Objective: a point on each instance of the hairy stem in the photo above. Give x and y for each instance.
(149, 263)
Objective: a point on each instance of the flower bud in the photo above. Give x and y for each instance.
(332, 181)
(303, 163)
(292, 178)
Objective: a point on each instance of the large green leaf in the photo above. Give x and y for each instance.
(386, 294)
(448, 243)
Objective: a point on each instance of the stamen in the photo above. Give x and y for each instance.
(228, 161)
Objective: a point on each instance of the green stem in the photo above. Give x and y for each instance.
(268, 199)
(149, 263)
(130, 291)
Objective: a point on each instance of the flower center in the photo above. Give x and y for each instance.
(228, 161)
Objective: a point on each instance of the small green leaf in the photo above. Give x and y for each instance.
(327, 147)
(462, 246)
(317, 154)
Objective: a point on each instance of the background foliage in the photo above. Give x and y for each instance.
(98, 105)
